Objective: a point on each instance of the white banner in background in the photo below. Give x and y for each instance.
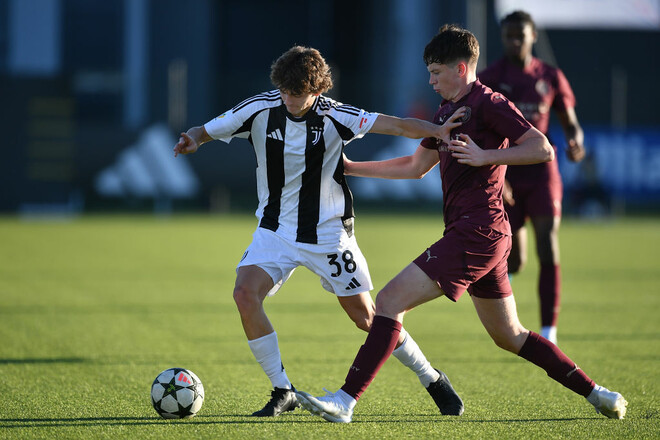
(583, 14)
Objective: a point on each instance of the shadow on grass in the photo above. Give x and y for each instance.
(226, 419)
(242, 419)
(374, 418)
(81, 421)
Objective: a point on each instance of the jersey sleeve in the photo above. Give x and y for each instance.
(503, 117)
(237, 121)
(564, 98)
(353, 123)
(224, 126)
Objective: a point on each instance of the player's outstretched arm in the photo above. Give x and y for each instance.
(414, 166)
(191, 140)
(532, 147)
(416, 128)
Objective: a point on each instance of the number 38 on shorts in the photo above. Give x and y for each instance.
(347, 272)
(346, 262)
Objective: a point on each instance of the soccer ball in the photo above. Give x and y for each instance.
(177, 393)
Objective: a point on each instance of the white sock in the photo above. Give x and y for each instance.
(345, 399)
(549, 332)
(267, 352)
(410, 355)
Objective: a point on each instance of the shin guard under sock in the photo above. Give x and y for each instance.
(560, 367)
(377, 348)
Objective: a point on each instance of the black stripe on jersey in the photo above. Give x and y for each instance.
(274, 167)
(327, 104)
(247, 126)
(324, 103)
(268, 96)
(344, 132)
(349, 109)
(348, 196)
(309, 199)
(271, 94)
(317, 103)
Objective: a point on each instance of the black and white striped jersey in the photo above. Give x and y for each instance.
(303, 195)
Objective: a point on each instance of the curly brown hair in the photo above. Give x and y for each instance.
(301, 70)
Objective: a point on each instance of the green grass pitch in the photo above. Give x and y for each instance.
(92, 309)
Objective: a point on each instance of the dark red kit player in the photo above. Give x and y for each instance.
(535, 191)
(472, 253)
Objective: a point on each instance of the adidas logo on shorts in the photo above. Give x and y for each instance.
(353, 284)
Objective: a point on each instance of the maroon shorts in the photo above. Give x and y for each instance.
(535, 198)
(472, 258)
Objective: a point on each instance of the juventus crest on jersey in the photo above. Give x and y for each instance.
(303, 195)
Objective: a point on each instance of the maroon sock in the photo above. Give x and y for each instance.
(560, 367)
(549, 293)
(377, 348)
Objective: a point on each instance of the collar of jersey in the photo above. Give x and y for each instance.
(312, 110)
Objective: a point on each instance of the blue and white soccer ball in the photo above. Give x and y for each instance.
(177, 393)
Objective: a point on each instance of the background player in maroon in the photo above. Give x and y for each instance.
(535, 191)
(473, 250)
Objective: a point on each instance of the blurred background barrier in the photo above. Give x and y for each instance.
(94, 94)
(621, 172)
(146, 170)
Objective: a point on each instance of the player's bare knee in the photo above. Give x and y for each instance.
(511, 341)
(362, 317)
(246, 299)
(505, 343)
(363, 322)
(360, 309)
(387, 306)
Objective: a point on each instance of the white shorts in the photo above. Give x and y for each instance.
(342, 267)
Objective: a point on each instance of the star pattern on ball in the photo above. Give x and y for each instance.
(169, 386)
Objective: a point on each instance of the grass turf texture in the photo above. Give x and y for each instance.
(93, 309)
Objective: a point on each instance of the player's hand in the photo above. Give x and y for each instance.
(507, 194)
(444, 130)
(465, 151)
(186, 145)
(575, 152)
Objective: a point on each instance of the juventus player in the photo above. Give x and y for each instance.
(472, 253)
(305, 209)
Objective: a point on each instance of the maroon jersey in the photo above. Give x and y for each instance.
(474, 194)
(535, 89)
